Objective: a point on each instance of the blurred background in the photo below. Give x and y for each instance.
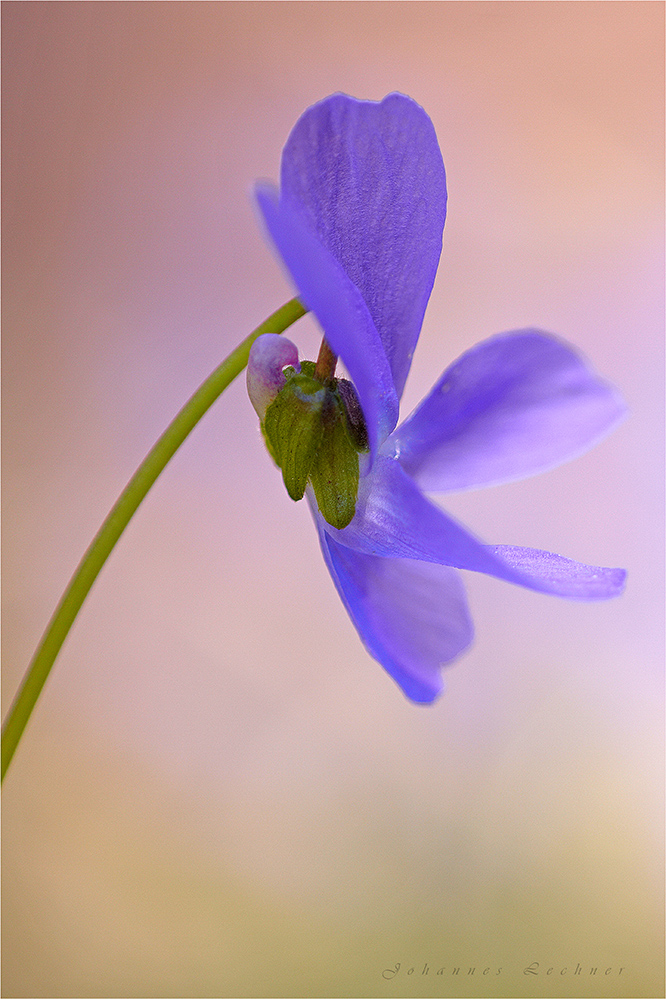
(221, 793)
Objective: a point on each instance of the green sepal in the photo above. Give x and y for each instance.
(334, 472)
(354, 419)
(293, 427)
(314, 431)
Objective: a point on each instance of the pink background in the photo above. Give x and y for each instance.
(220, 793)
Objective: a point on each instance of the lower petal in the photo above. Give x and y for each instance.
(411, 616)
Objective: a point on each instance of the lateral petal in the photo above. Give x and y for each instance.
(514, 405)
(368, 178)
(411, 616)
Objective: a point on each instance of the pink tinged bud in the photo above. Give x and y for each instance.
(269, 354)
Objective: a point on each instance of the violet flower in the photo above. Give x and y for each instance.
(358, 222)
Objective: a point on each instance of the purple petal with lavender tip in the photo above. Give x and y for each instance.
(514, 405)
(411, 616)
(395, 520)
(269, 354)
(560, 575)
(338, 305)
(368, 178)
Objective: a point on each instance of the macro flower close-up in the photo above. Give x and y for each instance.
(333, 354)
(358, 223)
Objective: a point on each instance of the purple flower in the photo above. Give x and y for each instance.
(358, 223)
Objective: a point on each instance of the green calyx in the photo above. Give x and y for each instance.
(314, 431)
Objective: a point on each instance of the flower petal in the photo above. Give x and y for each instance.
(395, 520)
(411, 616)
(368, 179)
(341, 311)
(562, 576)
(514, 405)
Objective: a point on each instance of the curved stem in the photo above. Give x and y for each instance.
(118, 519)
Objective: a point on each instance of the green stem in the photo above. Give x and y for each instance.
(118, 519)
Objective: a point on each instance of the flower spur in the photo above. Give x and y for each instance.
(358, 223)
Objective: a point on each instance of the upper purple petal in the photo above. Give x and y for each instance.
(368, 179)
(411, 616)
(515, 404)
(394, 519)
(339, 307)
